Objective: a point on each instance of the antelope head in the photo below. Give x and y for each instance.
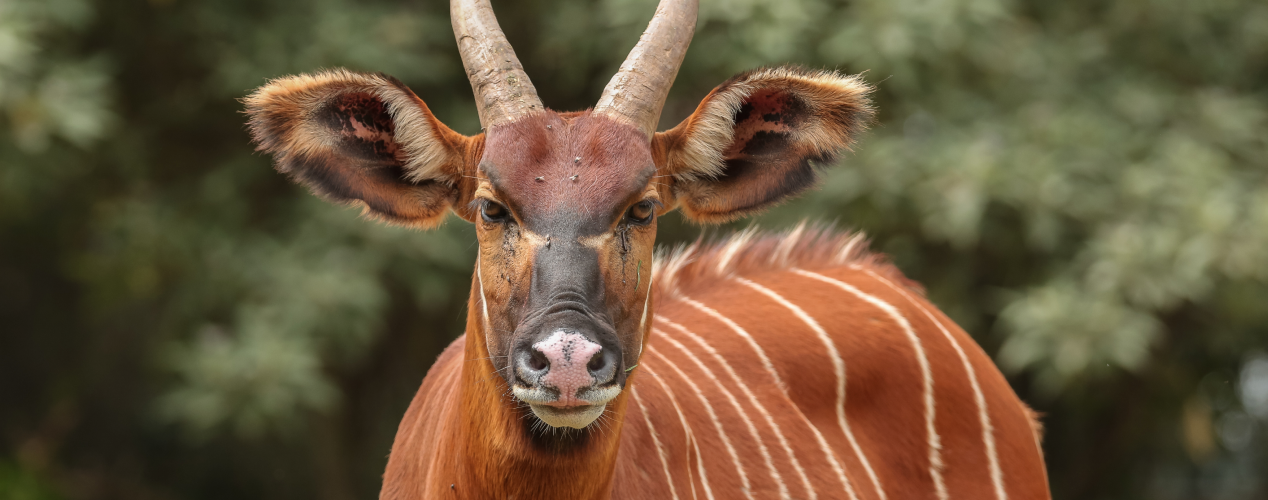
(565, 204)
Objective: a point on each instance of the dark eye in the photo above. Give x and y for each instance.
(641, 213)
(492, 211)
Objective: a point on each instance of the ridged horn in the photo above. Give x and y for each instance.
(637, 92)
(502, 89)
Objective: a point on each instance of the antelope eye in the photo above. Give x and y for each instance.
(641, 213)
(492, 211)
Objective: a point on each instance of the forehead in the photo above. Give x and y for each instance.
(584, 166)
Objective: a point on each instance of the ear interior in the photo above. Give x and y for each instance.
(765, 122)
(361, 124)
(361, 139)
(765, 130)
(761, 138)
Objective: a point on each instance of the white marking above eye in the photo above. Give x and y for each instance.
(535, 239)
(597, 241)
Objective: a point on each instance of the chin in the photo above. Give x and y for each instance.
(576, 417)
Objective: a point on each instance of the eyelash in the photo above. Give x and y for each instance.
(501, 213)
(649, 205)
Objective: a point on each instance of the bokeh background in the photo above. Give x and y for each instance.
(1083, 185)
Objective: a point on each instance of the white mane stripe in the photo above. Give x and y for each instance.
(847, 251)
(700, 265)
(732, 247)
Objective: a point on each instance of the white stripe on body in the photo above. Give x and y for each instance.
(988, 431)
(660, 450)
(704, 480)
(748, 392)
(935, 441)
(770, 367)
(717, 423)
(838, 364)
(761, 446)
(761, 353)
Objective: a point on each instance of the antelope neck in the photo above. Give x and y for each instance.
(500, 450)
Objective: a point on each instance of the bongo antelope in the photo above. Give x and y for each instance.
(794, 365)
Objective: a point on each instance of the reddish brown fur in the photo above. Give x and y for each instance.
(463, 438)
(692, 269)
(603, 155)
(754, 141)
(461, 430)
(564, 176)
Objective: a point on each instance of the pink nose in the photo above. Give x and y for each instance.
(569, 355)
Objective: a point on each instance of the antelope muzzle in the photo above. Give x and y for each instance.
(566, 358)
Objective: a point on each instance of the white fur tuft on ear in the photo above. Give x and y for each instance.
(836, 108)
(363, 140)
(422, 152)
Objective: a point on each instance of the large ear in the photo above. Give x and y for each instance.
(363, 139)
(759, 139)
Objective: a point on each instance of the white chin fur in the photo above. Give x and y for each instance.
(577, 417)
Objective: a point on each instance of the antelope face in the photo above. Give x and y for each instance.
(566, 220)
(565, 205)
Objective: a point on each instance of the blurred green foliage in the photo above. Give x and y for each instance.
(1082, 185)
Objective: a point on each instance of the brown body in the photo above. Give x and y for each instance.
(793, 366)
(704, 418)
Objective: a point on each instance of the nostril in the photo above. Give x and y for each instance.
(596, 363)
(530, 366)
(537, 361)
(602, 366)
